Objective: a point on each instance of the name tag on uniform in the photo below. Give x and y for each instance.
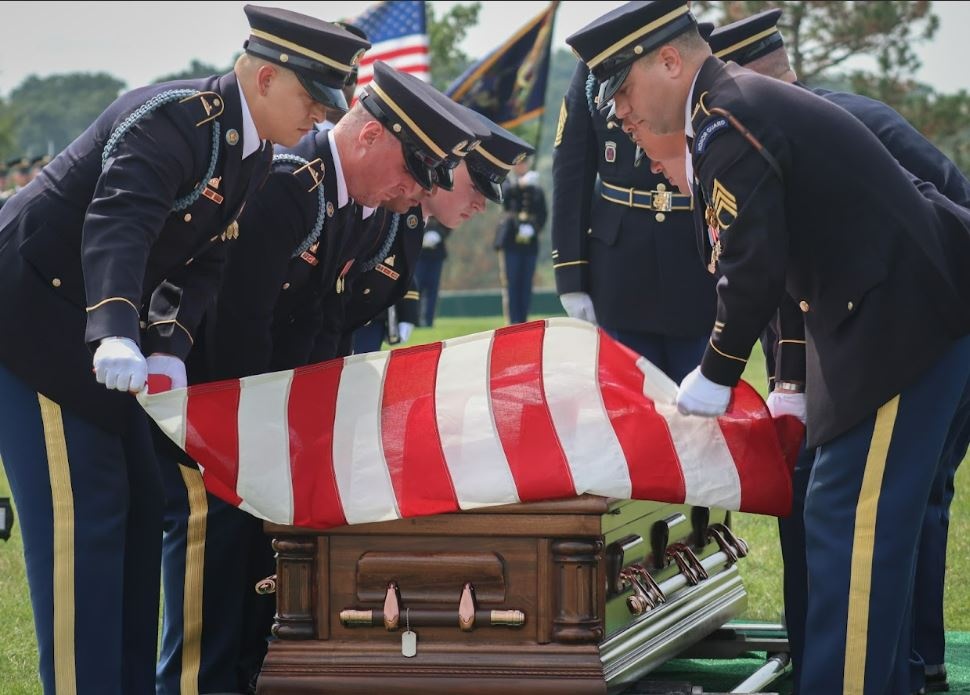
(393, 274)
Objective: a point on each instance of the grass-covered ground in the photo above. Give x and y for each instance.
(762, 572)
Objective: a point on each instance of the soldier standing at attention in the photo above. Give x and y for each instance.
(111, 254)
(878, 274)
(623, 239)
(517, 237)
(296, 239)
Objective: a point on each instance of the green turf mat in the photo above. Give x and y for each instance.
(720, 675)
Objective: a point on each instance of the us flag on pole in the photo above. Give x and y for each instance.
(545, 410)
(398, 33)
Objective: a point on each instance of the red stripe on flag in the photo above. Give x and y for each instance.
(409, 433)
(651, 457)
(373, 57)
(212, 436)
(310, 412)
(753, 442)
(522, 416)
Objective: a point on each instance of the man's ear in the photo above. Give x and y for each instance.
(265, 75)
(671, 59)
(370, 133)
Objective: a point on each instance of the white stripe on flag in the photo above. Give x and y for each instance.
(358, 457)
(379, 49)
(469, 440)
(570, 381)
(168, 411)
(264, 481)
(710, 476)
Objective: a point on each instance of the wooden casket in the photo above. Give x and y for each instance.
(577, 596)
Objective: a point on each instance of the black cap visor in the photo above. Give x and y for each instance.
(488, 183)
(610, 87)
(331, 97)
(445, 177)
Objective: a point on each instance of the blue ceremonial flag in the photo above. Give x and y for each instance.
(398, 33)
(509, 84)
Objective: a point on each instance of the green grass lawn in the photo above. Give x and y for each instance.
(761, 572)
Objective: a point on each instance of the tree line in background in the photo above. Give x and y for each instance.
(45, 114)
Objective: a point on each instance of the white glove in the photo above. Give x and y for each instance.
(119, 365)
(430, 239)
(169, 366)
(526, 232)
(787, 404)
(578, 305)
(404, 330)
(698, 395)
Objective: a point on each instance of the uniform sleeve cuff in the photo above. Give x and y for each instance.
(571, 276)
(721, 367)
(168, 337)
(112, 317)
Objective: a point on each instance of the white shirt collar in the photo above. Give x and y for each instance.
(250, 141)
(689, 132)
(343, 197)
(688, 126)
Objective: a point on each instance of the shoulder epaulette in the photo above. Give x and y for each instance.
(209, 105)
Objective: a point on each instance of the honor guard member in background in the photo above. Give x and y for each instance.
(517, 238)
(623, 239)
(390, 272)
(113, 251)
(756, 43)
(427, 274)
(18, 169)
(877, 273)
(293, 251)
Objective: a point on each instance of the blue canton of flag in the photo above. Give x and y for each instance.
(398, 34)
(509, 84)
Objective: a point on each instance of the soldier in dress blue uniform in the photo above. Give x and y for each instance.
(756, 43)
(115, 249)
(295, 249)
(785, 179)
(623, 242)
(389, 277)
(517, 238)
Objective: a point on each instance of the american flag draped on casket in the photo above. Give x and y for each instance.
(545, 410)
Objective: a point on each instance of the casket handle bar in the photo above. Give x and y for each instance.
(468, 615)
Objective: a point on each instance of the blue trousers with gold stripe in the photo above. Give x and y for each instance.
(90, 510)
(214, 626)
(864, 510)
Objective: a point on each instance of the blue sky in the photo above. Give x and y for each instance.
(140, 41)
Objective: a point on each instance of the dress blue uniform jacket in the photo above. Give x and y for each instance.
(639, 266)
(874, 260)
(914, 153)
(382, 277)
(522, 205)
(90, 251)
(269, 309)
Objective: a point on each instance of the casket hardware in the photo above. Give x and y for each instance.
(740, 546)
(726, 546)
(392, 607)
(692, 560)
(266, 586)
(684, 565)
(467, 616)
